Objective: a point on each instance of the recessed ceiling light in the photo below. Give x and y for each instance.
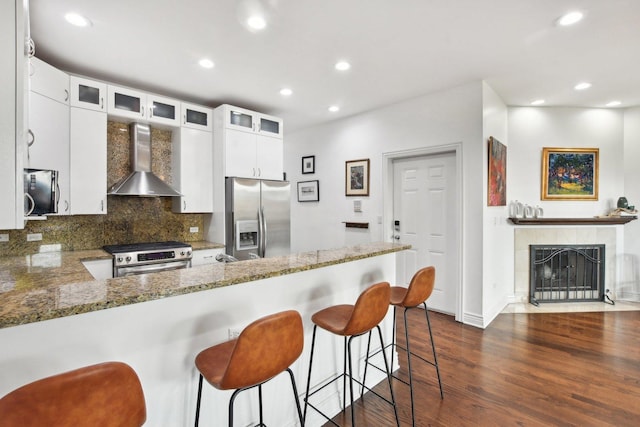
(570, 18)
(582, 86)
(342, 66)
(77, 19)
(613, 104)
(334, 108)
(206, 63)
(537, 102)
(286, 91)
(256, 22)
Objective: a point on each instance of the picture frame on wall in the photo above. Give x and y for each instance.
(357, 177)
(309, 191)
(309, 164)
(497, 181)
(569, 173)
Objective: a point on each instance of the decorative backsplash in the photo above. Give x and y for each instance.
(128, 219)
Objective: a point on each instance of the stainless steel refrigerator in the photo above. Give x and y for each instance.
(257, 218)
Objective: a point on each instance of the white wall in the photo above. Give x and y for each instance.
(531, 128)
(629, 286)
(497, 240)
(452, 116)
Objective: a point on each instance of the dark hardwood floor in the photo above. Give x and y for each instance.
(552, 369)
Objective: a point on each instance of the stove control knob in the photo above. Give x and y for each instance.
(188, 253)
(119, 259)
(183, 253)
(128, 258)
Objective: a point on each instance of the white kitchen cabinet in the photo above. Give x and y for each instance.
(49, 124)
(197, 117)
(205, 256)
(48, 81)
(14, 31)
(192, 157)
(248, 152)
(141, 106)
(251, 121)
(88, 161)
(88, 94)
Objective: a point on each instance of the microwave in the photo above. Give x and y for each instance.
(41, 191)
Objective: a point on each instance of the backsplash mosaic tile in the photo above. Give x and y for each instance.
(128, 219)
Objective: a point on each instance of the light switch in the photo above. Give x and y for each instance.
(357, 205)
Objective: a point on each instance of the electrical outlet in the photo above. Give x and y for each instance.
(194, 229)
(4, 237)
(34, 237)
(233, 333)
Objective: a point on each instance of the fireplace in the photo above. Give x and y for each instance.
(564, 273)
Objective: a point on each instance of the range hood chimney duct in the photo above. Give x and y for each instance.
(141, 181)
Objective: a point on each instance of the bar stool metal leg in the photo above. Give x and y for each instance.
(433, 347)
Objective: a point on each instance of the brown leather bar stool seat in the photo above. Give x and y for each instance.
(107, 395)
(416, 295)
(350, 321)
(264, 349)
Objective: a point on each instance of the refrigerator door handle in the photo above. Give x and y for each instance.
(264, 233)
(261, 232)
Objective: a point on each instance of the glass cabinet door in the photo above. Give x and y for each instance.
(125, 102)
(239, 119)
(88, 94)
(163, 110)
(197, 117)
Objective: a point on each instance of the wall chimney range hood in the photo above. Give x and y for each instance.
(141, 181)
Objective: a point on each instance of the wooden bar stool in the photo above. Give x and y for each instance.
(107, 395)
(351, 321)
(416, 295)
(264, 349)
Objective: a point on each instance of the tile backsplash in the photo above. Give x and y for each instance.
(128, 219)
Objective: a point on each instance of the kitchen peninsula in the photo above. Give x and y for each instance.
(158, 322)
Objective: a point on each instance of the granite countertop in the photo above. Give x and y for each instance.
(50, 285)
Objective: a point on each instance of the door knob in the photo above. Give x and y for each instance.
(397, 237)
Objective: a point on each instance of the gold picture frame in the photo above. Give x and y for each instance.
(357, 177)
(569, 173)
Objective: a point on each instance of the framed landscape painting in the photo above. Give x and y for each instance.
(569, 173)
(497, 183)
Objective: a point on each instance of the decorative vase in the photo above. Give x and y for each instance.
(623, 203)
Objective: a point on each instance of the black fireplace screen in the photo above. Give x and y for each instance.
(562, 273)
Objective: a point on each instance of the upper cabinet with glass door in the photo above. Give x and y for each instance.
(251, 121)
(88, 94)
(137, 105)
(197, 117)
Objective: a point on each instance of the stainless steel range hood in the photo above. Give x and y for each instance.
(141, 182)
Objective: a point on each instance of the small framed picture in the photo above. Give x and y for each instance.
(357, 178)
(309, 164)
(309, 191)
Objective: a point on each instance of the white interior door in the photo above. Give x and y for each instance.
(424, 206)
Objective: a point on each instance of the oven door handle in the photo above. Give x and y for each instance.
(151, 268)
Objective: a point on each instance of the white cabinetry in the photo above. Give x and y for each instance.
(197, 117)
(137, 105)
(49, 81)
(250, 143)
(88, 161)
(71, 140)
(14, 30)
(49, 125)
(205, 256)
(192, 157)
(88, 94)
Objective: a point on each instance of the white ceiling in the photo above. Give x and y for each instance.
(398, 50)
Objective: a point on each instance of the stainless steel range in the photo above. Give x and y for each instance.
(141, 258)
